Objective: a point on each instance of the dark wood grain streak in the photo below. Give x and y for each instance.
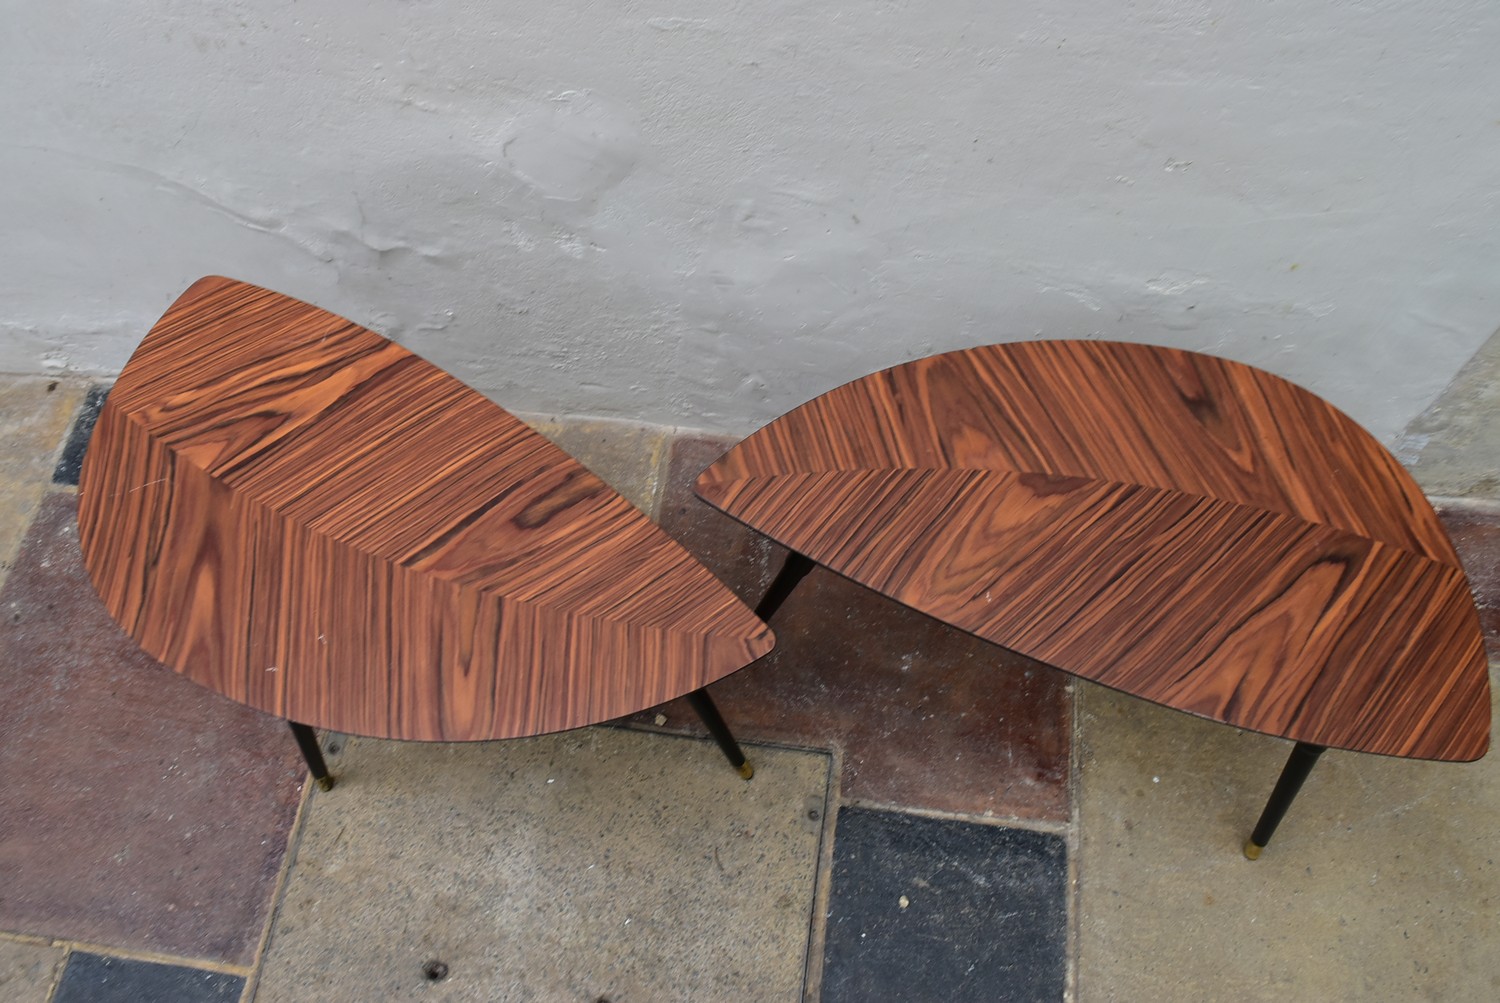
(309, 519)
(1180, 527)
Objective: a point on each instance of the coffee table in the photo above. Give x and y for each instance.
(309, 519)
(1182, 528)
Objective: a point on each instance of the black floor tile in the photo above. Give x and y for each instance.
(94, 978)
(71, 461)
(933, 909)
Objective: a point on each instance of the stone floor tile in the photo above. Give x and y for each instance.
(1380, 884)
(71, 461)
(1451, 448)
(28, 971)
(1475, 530)
(625, 456)
(745, 561)
(138, 809)
(927, 716)
(935, 909)
(597, 864)
(34, 416)
(93, 978)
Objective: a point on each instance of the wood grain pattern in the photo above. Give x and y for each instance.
(307, 518)
(1186, 529)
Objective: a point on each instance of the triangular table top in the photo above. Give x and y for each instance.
(1190, 530)
(308, 518)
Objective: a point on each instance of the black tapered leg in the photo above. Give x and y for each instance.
(1298, 765)
(793, 570)
(307, 741)
(704, 705)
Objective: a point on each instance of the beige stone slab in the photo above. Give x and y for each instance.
(34, 416)
(626, 456)
(597, 864)
(1380, 884)
(1452, 448)
(28, 971)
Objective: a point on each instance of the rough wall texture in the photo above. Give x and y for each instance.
(704, 214)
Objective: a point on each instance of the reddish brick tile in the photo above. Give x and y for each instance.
(1476, 535)
(741, 557)
(927, 717)
(138, 809)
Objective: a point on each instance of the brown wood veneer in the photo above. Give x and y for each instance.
(306, 517)
(1190, 530)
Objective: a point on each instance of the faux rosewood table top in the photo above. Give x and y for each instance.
(312, 520)
(1190, 530)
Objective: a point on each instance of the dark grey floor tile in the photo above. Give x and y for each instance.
(71, 461)
(935, 909)
(94, 978)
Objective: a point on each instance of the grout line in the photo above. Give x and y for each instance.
(661, 451)
(58, 971)
(817, 923)
(1075, 839)
(647, 728)
(1467, 503)
(1055, 828)
(155, 957)
(278, 891)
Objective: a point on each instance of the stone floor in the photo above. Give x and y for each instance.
(931, 817)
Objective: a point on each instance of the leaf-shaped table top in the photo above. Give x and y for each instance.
(1190, 530)
(310, 519)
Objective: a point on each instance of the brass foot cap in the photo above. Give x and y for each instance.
(746, 770)
(325, 783)
(1252, 852)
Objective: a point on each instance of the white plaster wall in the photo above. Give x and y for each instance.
(705, 213)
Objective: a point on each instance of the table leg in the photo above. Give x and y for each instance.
(704, 705)
(307, 741)
(1298, 765)
(793, 570)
